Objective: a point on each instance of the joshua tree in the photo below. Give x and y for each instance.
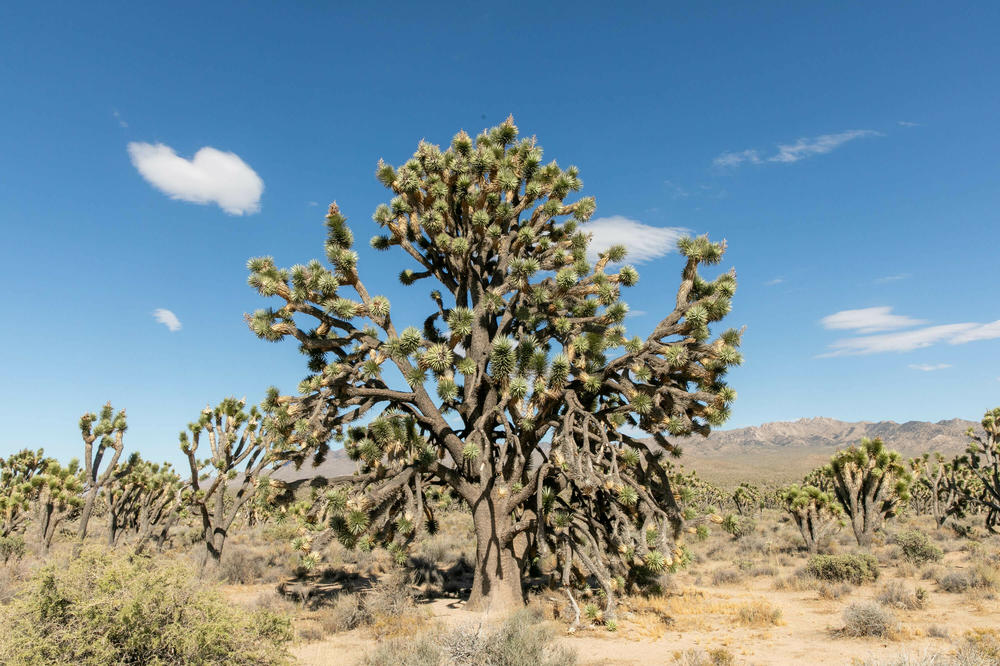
(944, 484)
(871, 484)
(17, 492)
(59, 491)
(516, 390)
(815, 512)
(241, 444)
(747, 498)
(109, 432)
(142, 497)
(984, 460)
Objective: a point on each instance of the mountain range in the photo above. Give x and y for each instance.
(779, 452)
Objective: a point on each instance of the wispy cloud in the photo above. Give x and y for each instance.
(644, 242)
(906, 123)
(168, 319)
(904, 341)
(788, 153)
(869, 320)
(771, 283)
(736, 159)
(118, 117)
(892, 278)
(929, 367)
(212, 176)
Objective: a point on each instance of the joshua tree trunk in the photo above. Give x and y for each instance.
(496, 584)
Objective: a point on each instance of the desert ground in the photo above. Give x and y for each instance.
(740, 601)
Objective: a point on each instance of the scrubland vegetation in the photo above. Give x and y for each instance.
(504, 509)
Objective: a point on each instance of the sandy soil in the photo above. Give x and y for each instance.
(704, 617)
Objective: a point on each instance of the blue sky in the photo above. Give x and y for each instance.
(848, 153)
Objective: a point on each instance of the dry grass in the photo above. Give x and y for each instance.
(758, 614)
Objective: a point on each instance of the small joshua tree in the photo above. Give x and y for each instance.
(984, 461)
(108, 431)
(142, 497)
(945, 486)
(816, 513)
(17, 492)
(241, 444)
(516, 391)
(871, 483)
(747, 498)
(59, 497)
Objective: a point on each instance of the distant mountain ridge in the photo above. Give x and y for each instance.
(910, 438)
(781, 451)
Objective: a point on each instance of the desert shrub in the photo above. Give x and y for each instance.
(739, 526)
(241, 567)
(979, 647)
(917, 548)
(833, 591)
(758, 613)
(389, 608)
(979, 577)
(937, 631)
(422, 651)
(896, 595)
(857, 569)
(522, 640)
(726, 576)
(103, 608)
(868, 619)
(699, 657)
(12, 548)
(797, 582)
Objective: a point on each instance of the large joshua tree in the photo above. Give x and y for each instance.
(521, 391)
(871, 483)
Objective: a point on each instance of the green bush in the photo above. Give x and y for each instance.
(857, 569)
(103, 608)
(917, 548)
(739, 526)
(12, 548)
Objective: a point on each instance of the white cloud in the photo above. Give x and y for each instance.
(952, 334)
(819, 145)
(929, 367)
(869, 320)
(644, 242)
(906, 123)
(793, 152)
(212, 176)
(168, 319)
(771, 283)
(892, 278)
(896, 342)
(978, 332)
(736, 159)
(118, 117)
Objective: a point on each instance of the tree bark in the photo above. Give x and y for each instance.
(496, 585)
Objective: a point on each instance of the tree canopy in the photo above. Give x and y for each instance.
(521, 390)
